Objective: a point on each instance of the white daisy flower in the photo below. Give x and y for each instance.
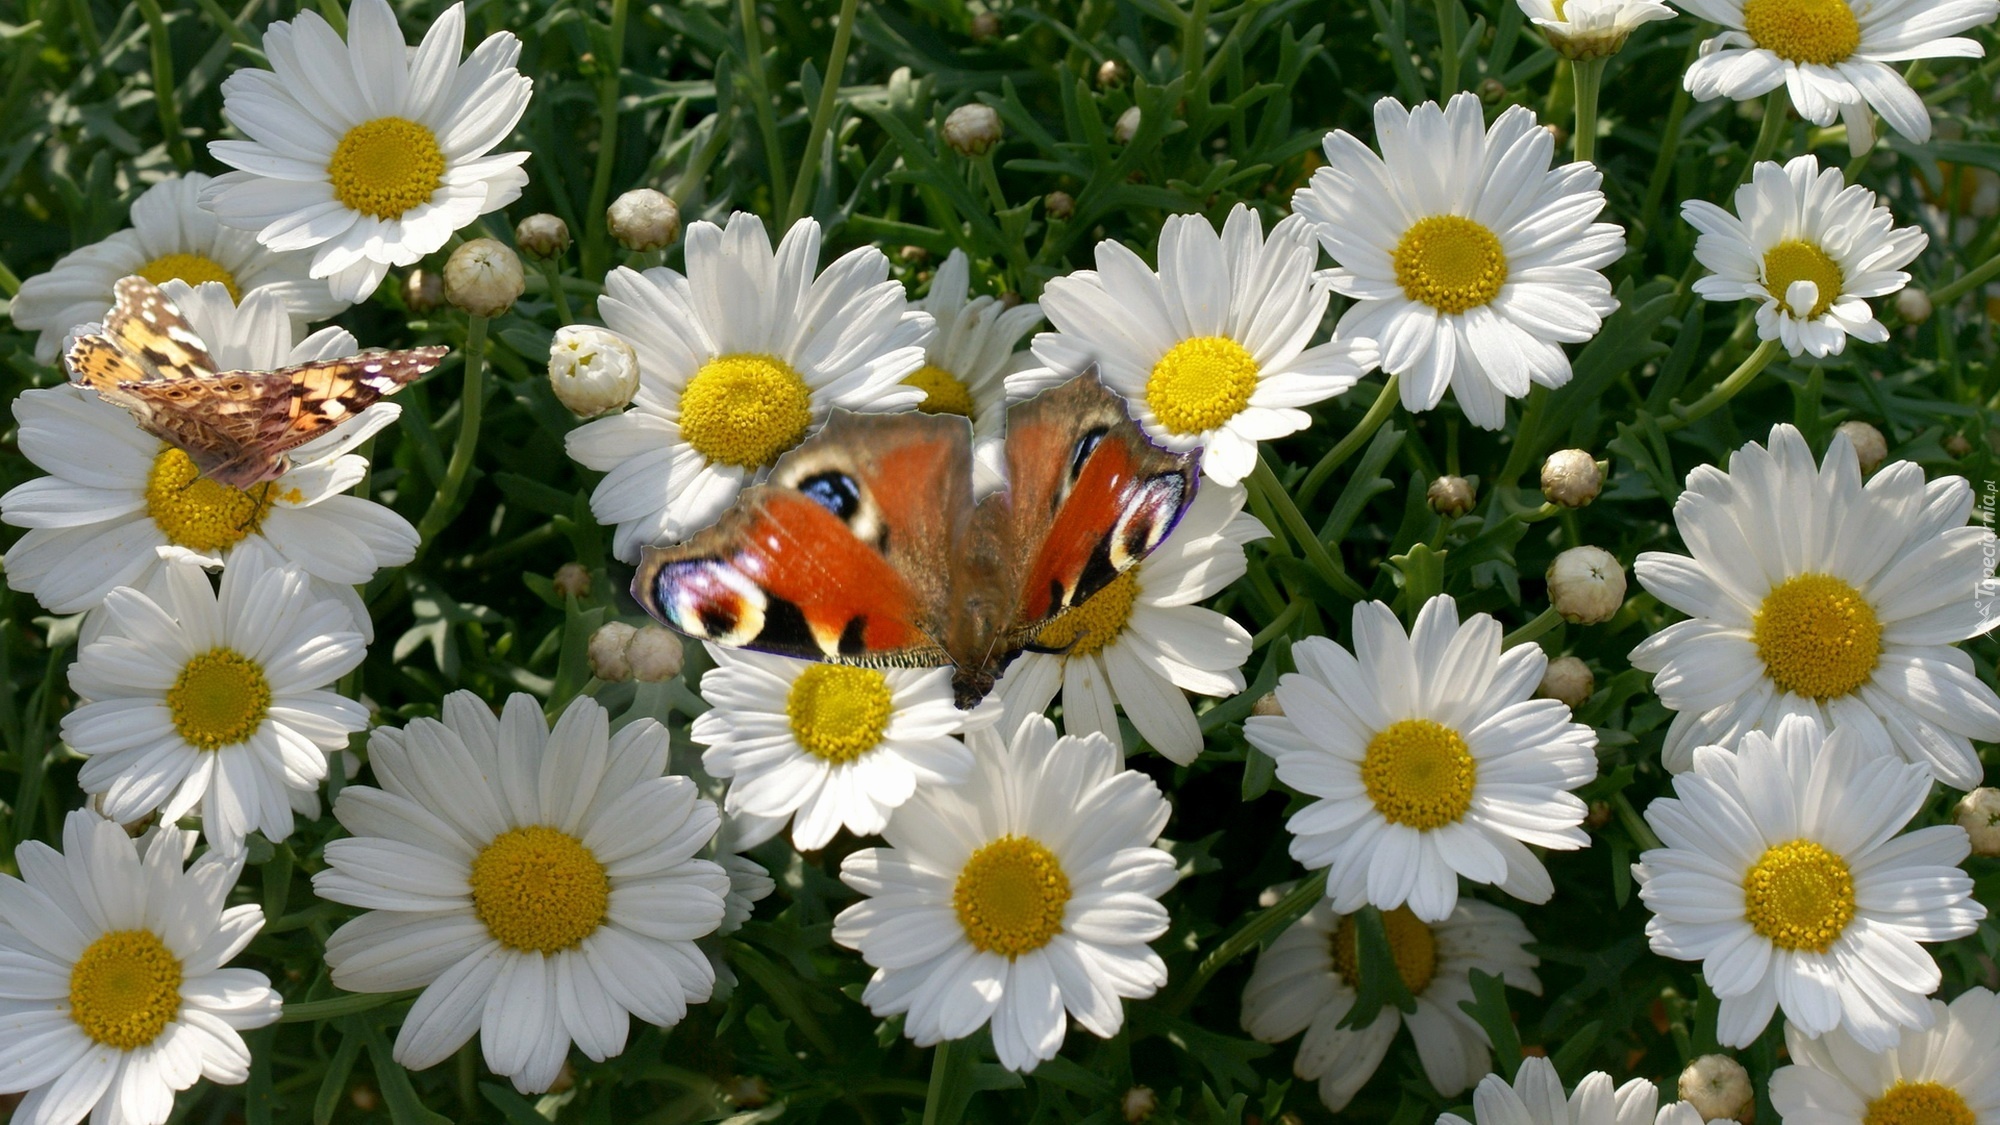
(739, 359)
(1783, 875)
(1833, 55)
(1808, 248)
(749, 884)
(1592, 29)
(1469, 258)
(1811, 593)
(217, 704)
(1031, 889)
(171, 236)
(369, 153)
(118, 499)
(1536, 1098)
(115, 994)
(1429, 760)
(1305, 981)
(1141, 641)
(966, 360)
(827, 746)
(1210, 352)
(1942, 1074)
(538, 885)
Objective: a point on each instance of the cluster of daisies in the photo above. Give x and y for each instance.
(542, 882)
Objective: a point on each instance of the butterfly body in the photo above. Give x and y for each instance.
(238, 427)
(866, 545)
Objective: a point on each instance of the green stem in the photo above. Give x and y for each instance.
(760, 92)
(313, 1011)
(1973, 278)
(1301, 533)
(1670, 146)
(1767, 135)
(990, 180)
(1267, 922)
(1589, 75)
(9, 284)
(1722, 392)
(940, 1072)
(163, 83)
(554, 273)
(1447, 11)
(594, 246)
(1634, 823)
(1543, 622)
(86, 28)
(1378, 412)
(472, 408)
(822, 119)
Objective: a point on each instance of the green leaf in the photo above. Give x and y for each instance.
(398, 1096)
(1488, 1008)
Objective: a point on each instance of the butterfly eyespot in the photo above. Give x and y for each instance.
(835, 491)
(710, 600)
(1148, 517)
(1085, 446)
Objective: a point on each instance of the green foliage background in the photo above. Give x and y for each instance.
(102, 98)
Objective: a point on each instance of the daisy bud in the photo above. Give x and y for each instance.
(1059, 204)
(985, 26)
(1491, 90)
(1717, 1087)
(1110, 73)
(592, 370)
(364, 1097)
(654, 655)
(484, 277)
(1450, 496)
(1957, 445)
(1869, 444)
(644, 219)
(1598, 816)
(1570, 477)
(572, 580)
(565, 1078)
(607, 652)
(972, 129)
(1567, 681)
(423, 290)
(542, 236)
(1267, 705)
(1586, 585)
(1139, 1104)
(1979, 814)
(914, 255)
(1127, 126)
(1913, 305)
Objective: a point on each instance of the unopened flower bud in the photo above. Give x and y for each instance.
(364, 1097)
(1978, 812)
(1913, 305)
(1558, 132)
(607, 650)
(914, 255)
(484, 277)
(1957, 445)
(644, 219)
(1597, 815)
(1570, 477)
(542, 236)
(572, 580)
(1059, 204)
(985, 26)
(423, 290)
(592, 370)
(1110, 73)
(1450, 496)
(1127, 126)
(1267, 705)
(1869, 444)
(1139, 1104)
(1717, 1087)
(1491, 90)
(1586, 585)
(1568, 681)
(972, 128)
(654, 654)
(747, 1092)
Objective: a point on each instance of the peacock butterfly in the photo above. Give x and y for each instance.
(866, 545)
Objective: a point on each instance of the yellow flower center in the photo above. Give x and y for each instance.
(195, 512)
(1201, 383)
(219, 699)
(944, 393)
(1411, 945)
(1450, 263)
(839, 713)
(539, 890)
(745, 410)
(191, 268)
(1818, 637)
(1803, 31)
(385, 167)
(1919, 1103)
(125, 989)
(1419, 773)
(1010, 897)
(1798, 260)
(1800, 896)
(1097, 622)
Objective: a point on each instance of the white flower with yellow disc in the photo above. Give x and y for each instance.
(969, 356)
(1809, 249)
(1943, 1074)
(541, 886)
(369, 153)
(1210, 352)
(827, 745)
(1783, 874)
(1592, 29)
(1536, 1097)
(1429, 760)
(172, 236)
(1029, 890)
(739, 359)
(1811, 593)
(1469, 258)
(115, 995)
(118, 499)
(1307, 980)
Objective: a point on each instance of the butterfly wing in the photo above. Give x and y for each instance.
(326, 393)
(843, 555)
(144, 338)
